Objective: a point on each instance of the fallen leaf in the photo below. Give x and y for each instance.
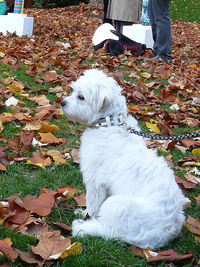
(81, 200)
(49, 138)
(152, 127)
(30, 258)
(50, 243)
(198, 200)
(41, 205)
(193, 225)
(196, 152)
(5, 248)
(46, 127)
(191, 178)
(40, 100)
(171, 256)
(63, 226)
(39, 160)
(184, 184)
(75, 155)
(2, 167)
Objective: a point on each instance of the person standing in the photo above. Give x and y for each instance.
(159, 14)
(124, 12)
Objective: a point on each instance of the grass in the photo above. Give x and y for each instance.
(185, 10)
(24, 179)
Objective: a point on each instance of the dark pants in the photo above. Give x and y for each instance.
(159, 14)
(105, 8)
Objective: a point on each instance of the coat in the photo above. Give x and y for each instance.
(124, 10)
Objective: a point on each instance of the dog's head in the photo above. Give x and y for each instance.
(95, 96)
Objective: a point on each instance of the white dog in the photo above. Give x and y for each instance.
(131, 193)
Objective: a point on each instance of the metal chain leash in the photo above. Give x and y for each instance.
(164, 138)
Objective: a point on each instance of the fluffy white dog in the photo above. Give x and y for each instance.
(131, 193)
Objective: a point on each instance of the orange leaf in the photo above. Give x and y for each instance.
(39, 159)
(75, 155)
(40, 100)
(49, 138)
(41, 205)
(46, 127)
(50, 244)
(193, 225)
(2, 167)
(81, 200)
(7, 250)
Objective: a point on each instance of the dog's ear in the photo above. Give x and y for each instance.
(100, 100)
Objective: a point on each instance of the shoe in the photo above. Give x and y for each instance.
(153, 59)
(158, 59)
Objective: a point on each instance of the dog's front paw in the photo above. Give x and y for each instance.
(77, 228)
(82, 213)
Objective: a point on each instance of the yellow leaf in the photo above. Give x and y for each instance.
(74, 249)
(40, 165)
(1, 127)
(152, 127)
(145, 74)
(191, 163)
(60, 111)
(6, 114)
(196, 152)
(46, 127)
(2, 54)
(15, 89)
(59, 160)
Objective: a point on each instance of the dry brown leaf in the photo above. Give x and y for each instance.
(38, 158)
(26, 138)
(63, 226)
(50, 243)
(193, 225)
(41, 205)
(20, 214)
(75, 155)
(191, 178)
(198, 200)
(81, 200)
(34, 125)
(5, 248)
(40, 100)
(50, 77)
(32, 227)
(2, 167)
(171, 256)
(184, 184)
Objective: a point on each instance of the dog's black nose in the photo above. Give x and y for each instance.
(63, 103)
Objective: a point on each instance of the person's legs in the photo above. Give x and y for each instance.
(161, 21)
(153, 25)
(105, 8)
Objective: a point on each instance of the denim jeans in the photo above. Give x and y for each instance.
(159, 14)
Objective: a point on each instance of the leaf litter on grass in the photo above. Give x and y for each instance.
(56, 55)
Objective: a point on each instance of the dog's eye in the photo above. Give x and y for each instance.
(80, 97)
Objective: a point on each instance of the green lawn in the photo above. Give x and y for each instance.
(185, 10)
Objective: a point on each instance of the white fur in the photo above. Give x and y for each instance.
(131, 193)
